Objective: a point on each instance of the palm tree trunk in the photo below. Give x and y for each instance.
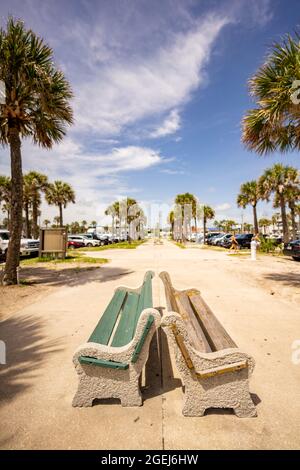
(256, 230)
(27, 223)
(293, 218)
(285, 228)
(60, 215)
(16, 209)
(35, 231)
(204, 229)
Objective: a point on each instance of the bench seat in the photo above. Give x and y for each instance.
(213, 370)
(110, 363)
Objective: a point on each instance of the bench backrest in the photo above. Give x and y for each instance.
(118, 323)
(205, 331)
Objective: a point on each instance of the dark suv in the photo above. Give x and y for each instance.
(292, 249)
(244, 240)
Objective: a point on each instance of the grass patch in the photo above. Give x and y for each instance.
(215, 248)
(180, 245)
(72, 257)
(113, 246)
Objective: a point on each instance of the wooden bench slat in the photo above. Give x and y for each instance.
(196, 334)
(126, 327)
(215, 333)
(105, 326)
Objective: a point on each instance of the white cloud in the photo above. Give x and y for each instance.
(96, 177)
(125, 92)
(223, 207)
(169, 126)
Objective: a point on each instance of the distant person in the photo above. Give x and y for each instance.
(234, 244)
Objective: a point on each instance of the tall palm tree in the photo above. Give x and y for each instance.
(292, 195)
(36, 105)
(56, 221)
(5, 194)
(27, 202)
(46, 222)
(249, 194)
(264, 223)
(186, 199)
(34, 183)
(171, 222)
(275, 123)
(208, 214)
(60, 194)
(279, 179)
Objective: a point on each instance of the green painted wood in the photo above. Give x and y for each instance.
(142, 339)
(102, 363)
(126, 327)
(105, 326)
(145, 300)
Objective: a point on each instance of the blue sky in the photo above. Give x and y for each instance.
(160, 89)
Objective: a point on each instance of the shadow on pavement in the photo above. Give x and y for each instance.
(26, 350)
(71, 276)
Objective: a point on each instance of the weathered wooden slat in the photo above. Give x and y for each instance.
(126, 327)
(105, 326)
(216, 335)
(171, 301)
(196, 334)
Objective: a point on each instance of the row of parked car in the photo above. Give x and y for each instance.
(224, 239)
(93, 239)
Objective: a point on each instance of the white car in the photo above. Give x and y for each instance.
(28, 246)
(84, 239)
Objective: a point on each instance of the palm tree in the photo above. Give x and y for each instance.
(36, 105)
(60, 194)
(187, 199)
(264, 223)
(56, 221)
(46, 223)
(274, 123)
(249, 194)
(275, 221)
(83, 225)
(292, 196)
(94, 223)
(279, 179)
(248, 227)
(5, 194)
(34, 183)
(228, 225)
(208, 214)
(171, 222)
(27, 201)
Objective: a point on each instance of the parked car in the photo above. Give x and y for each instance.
(28, 246)
(72, 244)
(292, 249)
(211, 235)
(244, 240)
(223, 239)
(87, 241)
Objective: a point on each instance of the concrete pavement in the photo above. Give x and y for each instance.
(39, 381)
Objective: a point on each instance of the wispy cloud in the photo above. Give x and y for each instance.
(126, 92)
(169, 126)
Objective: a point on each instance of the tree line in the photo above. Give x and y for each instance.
(35, 185)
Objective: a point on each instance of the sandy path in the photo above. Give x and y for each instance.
(39, 381)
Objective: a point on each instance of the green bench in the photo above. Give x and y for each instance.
(109, 365)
